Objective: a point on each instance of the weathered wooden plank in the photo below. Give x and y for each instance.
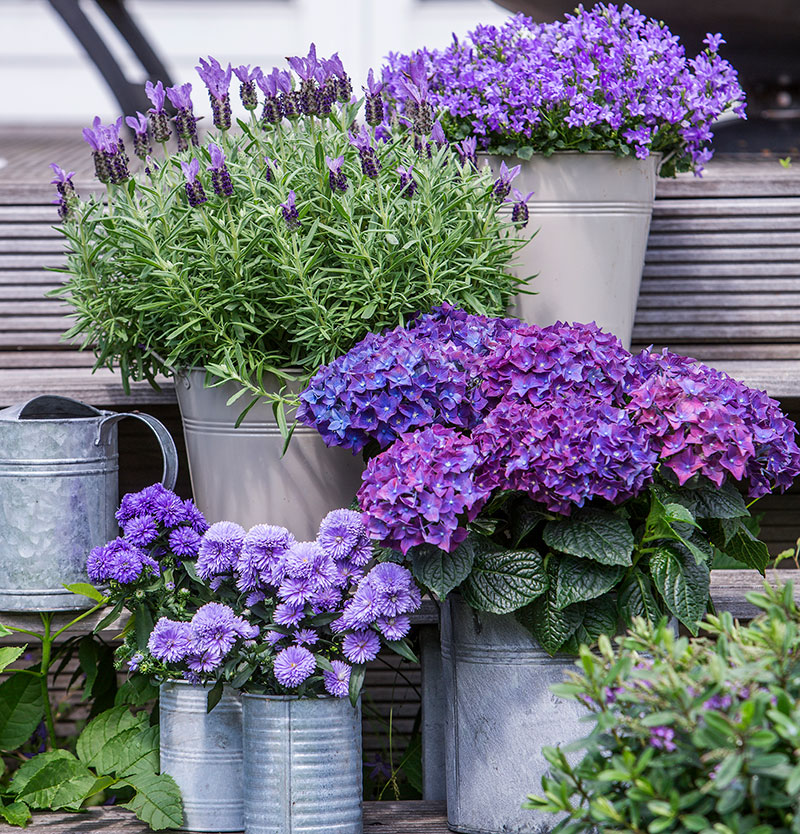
(713, 332)
(67, 357)
(35, 261)
(44, 214)
(43, 323)
(27, 276)
(719, 285)
(19, 231)
(36, 306)
(731, 206)
(757, 240)
(733, 270)
(746, 255)
(667, 316)
(12, 293)
(759, 301)
(32, 245)
(664, 222)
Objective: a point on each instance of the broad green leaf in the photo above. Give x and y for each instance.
(669, 522)
(439, 571)
(682, 583)
(15, 813)
(101, 743)
(140, 754)
(87, 657)
(53, 780)
(526, 516)
(550, 625)
(357, 674)
(84, 589)
(718, 502)
(677, 512)
(636, 599)
(214, 696)
(592, 534)
(21, 709)
(8, 654)
(503, 580)
(599, 617)
(402, 648)
(136, 691)
(157, 801)
(580, 579)
(747, 549)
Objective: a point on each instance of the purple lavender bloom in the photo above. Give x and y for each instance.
(502, 185)
(306, 69)
(720, 703)
(184, 542)
(306, 637)
(417, 106)
(662, 738)
(361, 646)
(219, 549)
(336, 177)
(108, 151)
(373, 105)
(157, 116)
(141, 142)
(194, 188)
(269, 173)
(67, 196)
(519, 211)
(220, 176)
(337, 682)
(467, 151)
(370, 163)
(247, 85)
(343, 87)
(290, 214)
(438, 135)
(408, 184)
(141, 530)
(271, 85)
(218, 82)
(170, 641)
(293, 665)
(185, 120)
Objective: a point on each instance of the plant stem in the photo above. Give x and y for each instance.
(44, 670)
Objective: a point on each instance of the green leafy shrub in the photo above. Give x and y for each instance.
(690, 735)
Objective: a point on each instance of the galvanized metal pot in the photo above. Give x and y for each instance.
(240, 474)
(302, 765)
(499, 714)
(202, 752)
(58, 495)
(593, 214)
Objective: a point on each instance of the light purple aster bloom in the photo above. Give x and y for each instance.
(204, 661)
(194, 517)
(141, 530)
(260, 561)
(97, 565)
(216, 626)
(395, 627)
(361, 646)
(340, 533)
(219, 549)
(168, 508)
(274, 637)
(306, 637)
(124, 561)
(184, 542)
(337, 682)
(134, 661)
(170, 641)
(297, 590)
(287, 614)
(293, 665)
(304, 559)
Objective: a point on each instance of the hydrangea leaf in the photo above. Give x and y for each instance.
(525, 518)
(600, 616)
(21, 710)
(157, 800)
(718, 502)
(577, 580)
(438, 571)
(504, 580)
(101, 743)
(747, 549)
(550, 625)
(53, 780)
(682, 583)
(15, 813)
(636, 599)
(592, 534)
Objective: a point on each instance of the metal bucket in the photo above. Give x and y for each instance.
(500, 712)
(58, 495)
(593, 214)
(202, 752)
(239, 474)
(302, 765)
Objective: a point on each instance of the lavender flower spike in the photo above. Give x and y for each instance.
(336, 177)
(290, 213)
(220, 176)
(141, 144)
(247, 85)
(373, 105)
(185, 121)
(273, 109)
(343, 87)
(408, 184)
(519, 211)
(194, 188)
(67, 196)
(159, 126)
(306, 69)
(502, 185)
(218, 82)
(370, 164)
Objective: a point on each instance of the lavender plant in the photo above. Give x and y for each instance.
(602, 79)
(688, 735)
(277, 245)
(551, 473)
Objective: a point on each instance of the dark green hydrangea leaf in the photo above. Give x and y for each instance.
(592, 534)
(438, 571)
(577, 580)
(682, 583)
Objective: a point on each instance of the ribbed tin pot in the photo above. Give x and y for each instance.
(202, 752)
(240, 474)
(499, 714)
(58, 494)
(302, 765)
(592, 211)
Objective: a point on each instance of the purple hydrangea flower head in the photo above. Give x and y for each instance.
(141, 530)
(170, 641)
(293, 665)
(337, 682)
(184, 542)
(219, 549)
(361, 646)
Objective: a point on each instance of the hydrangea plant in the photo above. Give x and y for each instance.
(603, 78)
(559, 477)
(272, 245)
(688, 735)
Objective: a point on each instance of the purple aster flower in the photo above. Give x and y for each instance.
(194, 188)
(274, 637)
(141, 530)
(341, 533)
(336, 177)
(304, 560)
(337, 682)
(124, 561)
(219, 549)
(218, 82)
(215, 626)
(134, 661)
(361, 646)
(662, 738)
(293, 665)
(297, 590)
(204, 661)
(287, 614)
(290, 213)
(98, 564)
(220, 176)
(168, 508)
(306, 637)
(395, 627)
(170, 641)
(184, 542)
(194, 517)
(260, 562)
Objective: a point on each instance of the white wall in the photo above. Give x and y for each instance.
(45, 77)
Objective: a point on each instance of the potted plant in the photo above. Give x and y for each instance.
(562, 486)
(688, 735)
(291, 625)
(589, 106)
(249, 257)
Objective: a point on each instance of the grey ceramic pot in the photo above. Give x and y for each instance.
(302, 765)
(499, 714)
(202, 751)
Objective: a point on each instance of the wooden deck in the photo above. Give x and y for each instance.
(379, 818)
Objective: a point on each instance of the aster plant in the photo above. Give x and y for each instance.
(605, 78)
(287, 617)
(551, 473)
(275, 242)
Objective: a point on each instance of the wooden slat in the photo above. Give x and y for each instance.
(663, 221)
(732, 270)
(18, 292)
(18, 231)
(720, 285)
(735, 206)
(692, 237)
(67, 357)
(712, 301)
(31, 245)
(27, 276)
(752, 317)
(766, 255)
(713, 332)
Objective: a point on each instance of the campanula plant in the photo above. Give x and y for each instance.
(605, 78)
(279, 240)
(550, 472)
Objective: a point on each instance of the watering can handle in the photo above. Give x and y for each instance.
(165, 441)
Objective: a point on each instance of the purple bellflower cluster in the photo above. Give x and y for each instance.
(602, 78)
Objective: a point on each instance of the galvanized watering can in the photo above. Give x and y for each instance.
(58, 495)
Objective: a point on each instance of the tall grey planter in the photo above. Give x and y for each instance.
(592, 211)
(240, 474)
(202, 751)
(499, 714)
(302, 765)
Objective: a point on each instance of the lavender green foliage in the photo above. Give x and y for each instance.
(686, 735)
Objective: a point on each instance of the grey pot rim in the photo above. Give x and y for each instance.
(257, 696)
(654, 155)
